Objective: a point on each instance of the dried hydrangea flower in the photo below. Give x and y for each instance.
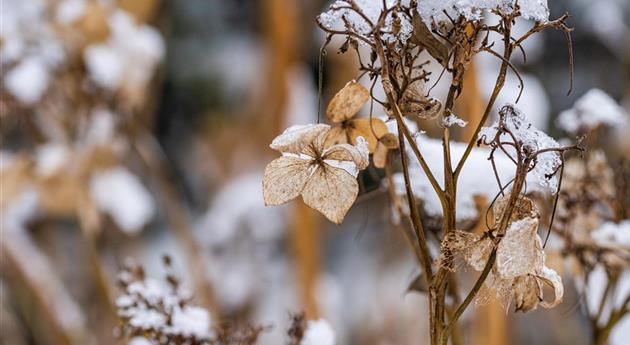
(341, 111)
(325, 176)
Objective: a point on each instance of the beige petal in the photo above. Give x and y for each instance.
(294, 139)
(551, 278)
(337, 135)
(349, 153)
(525, 207)
(380, 155)
(478, 253)
(370, 130)
(520, 251)
(347, 102)
(454, 247)
(284, 179)
(331, 191)
(389, 140)
(527, 293)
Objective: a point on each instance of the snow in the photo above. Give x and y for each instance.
(104, 64)
(50, 158)
(102, 127)
(613, 234)
(191, 320)
(469, 185)
(593, 109)
(453, 120)
(531, 140)
(69, 11)
(148, 303)
(318, 332)
(28, 80)
(128, 57)
(119, 193)
(139, 341)
(437, 10)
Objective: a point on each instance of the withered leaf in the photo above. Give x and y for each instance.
(422, 35)
(324, 175)
(527, 293)
(552, 279)
(520, 251)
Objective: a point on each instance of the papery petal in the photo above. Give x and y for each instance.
(551, 278)
(337, 135)
(285, 178)
(380, 155)
(369, 129)
(331, 191)
(295, 138)
(527, 293)
(347, 102)
(520, 251)
(346, 152)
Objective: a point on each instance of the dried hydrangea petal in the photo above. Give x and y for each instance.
(525, 207)
(331, 191)
(527, 293)
(295, 138)
(284, 179)
(551, 278)
(520, 251)
(370, 129)
(454, 246)
(347, 102)
(478, 253)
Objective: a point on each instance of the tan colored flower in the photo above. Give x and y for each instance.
(342, 110)
(325, 176)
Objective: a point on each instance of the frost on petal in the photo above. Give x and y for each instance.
(295, 138)
(347, 102)
(527, 293)
(331, 191)
(284, 179)
(520, 251)
(551, 278)
(452, 119)
(348, 153)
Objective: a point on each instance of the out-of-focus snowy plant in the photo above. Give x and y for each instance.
(592, 226)
(400, 35)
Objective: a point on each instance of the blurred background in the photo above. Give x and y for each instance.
(139, 128)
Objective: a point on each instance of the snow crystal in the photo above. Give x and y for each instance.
(593, 109)
(121, 194)
(531, 140)
(139, 341)
(318, 332)
(440, 10)
(333, 19)
(453, 120)
(101, 128)
(28, 80)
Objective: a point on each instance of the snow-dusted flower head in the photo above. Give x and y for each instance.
(324, 176)
(596, 108)
(514, 126)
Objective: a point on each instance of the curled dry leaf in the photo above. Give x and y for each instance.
(527, 293)
(520, 251)
(341, 111)
(324, 175)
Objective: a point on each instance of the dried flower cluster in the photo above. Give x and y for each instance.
(400, 36)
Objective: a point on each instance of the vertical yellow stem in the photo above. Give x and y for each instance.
(305, 243)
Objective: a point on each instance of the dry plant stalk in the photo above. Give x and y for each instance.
(321, 163)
